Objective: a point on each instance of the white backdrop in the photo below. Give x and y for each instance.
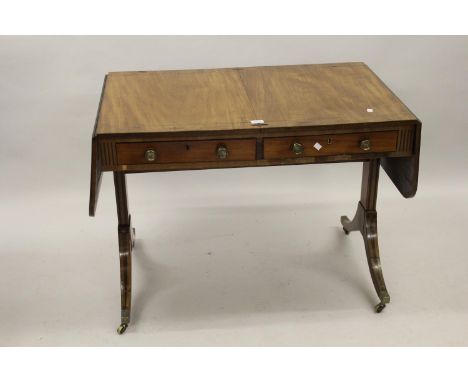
(243, 256)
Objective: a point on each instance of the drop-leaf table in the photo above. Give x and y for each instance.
(171, 120)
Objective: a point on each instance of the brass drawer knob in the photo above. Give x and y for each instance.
(222, 152)
(297, 148)
(150, 155)
(365, 145)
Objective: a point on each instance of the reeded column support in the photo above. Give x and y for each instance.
(365, 221)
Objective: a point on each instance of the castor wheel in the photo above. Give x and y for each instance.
(122, 328)
(379, 307)
(345, 231)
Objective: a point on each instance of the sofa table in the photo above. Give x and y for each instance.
(154, 121)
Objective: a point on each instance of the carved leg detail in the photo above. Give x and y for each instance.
(365, 221)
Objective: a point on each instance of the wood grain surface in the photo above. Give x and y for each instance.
(173, 101)
(229, 99)
(318, 95)
(175, 109)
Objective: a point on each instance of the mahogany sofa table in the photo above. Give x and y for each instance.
(258, 116)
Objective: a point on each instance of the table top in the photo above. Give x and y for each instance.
(180, 119)
(230, 99)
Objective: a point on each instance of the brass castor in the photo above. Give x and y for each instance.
(345, 231)
(122, 328)
(379, 307)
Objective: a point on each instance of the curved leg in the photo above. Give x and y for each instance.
(371, 243)
(365, 221)
(126, 244)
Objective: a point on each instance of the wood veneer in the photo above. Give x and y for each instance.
(262, 116)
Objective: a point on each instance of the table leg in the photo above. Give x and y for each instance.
(126, 242)
(365, 221)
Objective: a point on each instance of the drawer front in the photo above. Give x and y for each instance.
(186, 151)
(334, 144)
